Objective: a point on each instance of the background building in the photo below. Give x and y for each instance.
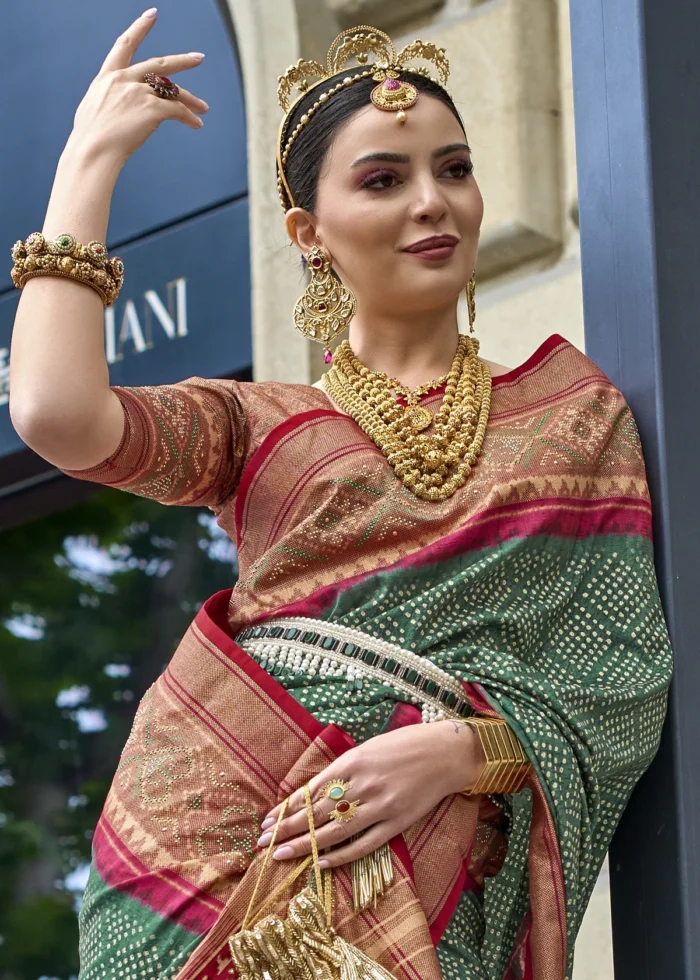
(211, 279)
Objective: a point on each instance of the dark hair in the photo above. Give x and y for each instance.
(311, 145)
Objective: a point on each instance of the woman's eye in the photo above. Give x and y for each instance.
(460, 169)
(383, 180)
(379, 180)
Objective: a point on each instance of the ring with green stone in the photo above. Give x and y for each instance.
(336, 789)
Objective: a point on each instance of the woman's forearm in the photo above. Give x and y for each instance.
(59, 379)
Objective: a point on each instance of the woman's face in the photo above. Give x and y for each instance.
(385, 187)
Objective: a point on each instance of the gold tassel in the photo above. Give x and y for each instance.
(371, 876)
(304, 946)
(300, 947)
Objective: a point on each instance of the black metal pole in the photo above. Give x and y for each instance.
(637, 107)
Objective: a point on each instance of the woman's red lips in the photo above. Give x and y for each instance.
(434, 243)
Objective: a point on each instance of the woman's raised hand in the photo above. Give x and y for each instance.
(120, 110)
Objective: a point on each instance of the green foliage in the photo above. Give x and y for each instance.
(41, 938)
(93, 602)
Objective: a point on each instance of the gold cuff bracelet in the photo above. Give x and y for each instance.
(507, 767)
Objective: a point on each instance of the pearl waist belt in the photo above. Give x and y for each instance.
(297, 646)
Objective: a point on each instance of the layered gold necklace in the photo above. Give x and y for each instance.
(433, 465)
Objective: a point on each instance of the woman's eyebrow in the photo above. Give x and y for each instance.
(386, 157)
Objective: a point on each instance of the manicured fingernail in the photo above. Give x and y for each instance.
(265, 840)
(150, 13)
(323, 863)
(282, 853)
(197, 54)
(267, 822)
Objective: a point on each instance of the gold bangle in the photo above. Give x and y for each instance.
(106, 296)
(507, 767)
(64, 256)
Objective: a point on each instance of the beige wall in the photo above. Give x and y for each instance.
(511, 79)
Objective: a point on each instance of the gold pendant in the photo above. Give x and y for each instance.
(418, 418)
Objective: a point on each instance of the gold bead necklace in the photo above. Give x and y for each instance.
(431, 465)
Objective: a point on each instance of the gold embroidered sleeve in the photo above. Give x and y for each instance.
(183, 444)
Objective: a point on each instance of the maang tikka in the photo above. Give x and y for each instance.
(326, 306)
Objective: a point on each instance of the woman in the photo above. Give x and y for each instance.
(401, 561)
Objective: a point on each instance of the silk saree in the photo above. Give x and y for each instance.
(534, 585)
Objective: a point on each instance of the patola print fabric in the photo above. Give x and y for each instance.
(534, 586)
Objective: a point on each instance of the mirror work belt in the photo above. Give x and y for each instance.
(311, 647)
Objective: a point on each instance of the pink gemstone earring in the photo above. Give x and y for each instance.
(326, 306)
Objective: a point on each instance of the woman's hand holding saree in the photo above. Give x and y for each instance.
(398, 776)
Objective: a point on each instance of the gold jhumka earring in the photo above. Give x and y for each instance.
(471, 302)
(326, 306)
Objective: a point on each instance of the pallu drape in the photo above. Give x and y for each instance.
(534, 586)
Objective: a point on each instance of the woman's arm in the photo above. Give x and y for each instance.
(60, 400)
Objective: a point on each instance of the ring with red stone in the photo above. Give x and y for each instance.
(162, 86)
(344, 810)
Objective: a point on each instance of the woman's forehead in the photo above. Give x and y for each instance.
(429, 124)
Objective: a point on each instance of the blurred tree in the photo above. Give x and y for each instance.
(93, 602)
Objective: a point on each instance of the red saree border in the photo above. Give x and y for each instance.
(579, 385)
(335, 737)
(163, 891)
(534, 955)
(335, 454)
(577, 519)
(212, 622)
(534, 360)
(265, 448)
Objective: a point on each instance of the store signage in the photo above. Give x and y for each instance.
(179, 214)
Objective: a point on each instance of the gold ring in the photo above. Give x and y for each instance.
(162, 86)
(335, 789)
(344, 811)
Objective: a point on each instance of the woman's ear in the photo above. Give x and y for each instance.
(301, 228)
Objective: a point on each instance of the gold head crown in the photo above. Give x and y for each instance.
(390, 94)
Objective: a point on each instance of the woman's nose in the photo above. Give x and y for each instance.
(429, 203)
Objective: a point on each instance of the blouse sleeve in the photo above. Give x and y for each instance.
(183, 444)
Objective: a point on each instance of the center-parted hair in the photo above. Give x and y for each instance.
(311, 146)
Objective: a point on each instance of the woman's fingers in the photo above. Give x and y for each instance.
(328, 835)
(192, 102)
(169, 64)
(127, 43)
(177, 110)
(296, 802)
(373, 838)
(298, 822)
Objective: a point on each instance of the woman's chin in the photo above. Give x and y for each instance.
(417, 297)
